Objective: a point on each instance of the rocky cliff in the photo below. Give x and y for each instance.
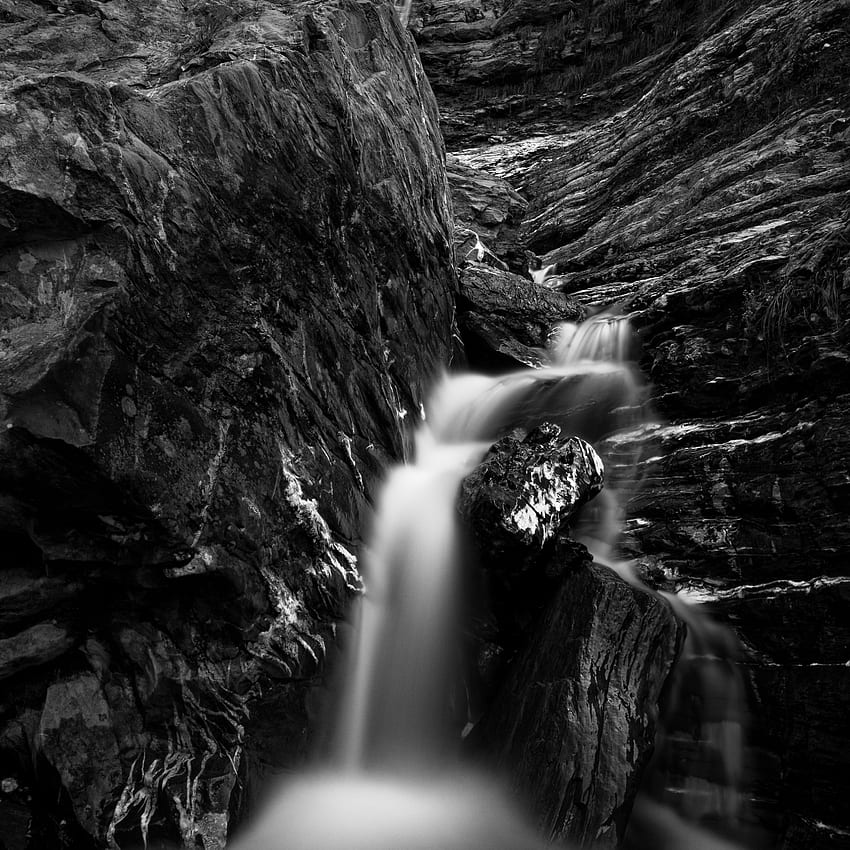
(695, 175)
(226, 271)
(227, 274)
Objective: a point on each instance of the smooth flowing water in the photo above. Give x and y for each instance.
(392, 781)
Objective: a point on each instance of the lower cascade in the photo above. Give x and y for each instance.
(392, 779)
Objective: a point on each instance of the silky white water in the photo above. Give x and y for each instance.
(391, 781)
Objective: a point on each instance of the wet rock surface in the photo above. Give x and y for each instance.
(518, 504)
(503, 317)
(573, 723)
(505, 320)
(225, 256)
(571, 659)
(488, 213)
(227, 276)
(525, 492)
(703, 190)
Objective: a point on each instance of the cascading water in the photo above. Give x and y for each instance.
(697, 772)
(391, 782)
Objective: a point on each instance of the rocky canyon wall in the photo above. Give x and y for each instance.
(226, 273)
(698, 181)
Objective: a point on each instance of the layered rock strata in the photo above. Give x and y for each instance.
(504, 319)
(511, 68)
(710, 203)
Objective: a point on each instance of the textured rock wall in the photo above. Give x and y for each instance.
(574, 722)
(504, 319)
(710, 202)
(226, 267)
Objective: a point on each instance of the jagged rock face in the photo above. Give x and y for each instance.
(574, 660)
(524, 492)
(488, 213)
(711, 205)
(518, 504)
(757, 499)
(226, 252)
(574, 721)
(796, 637)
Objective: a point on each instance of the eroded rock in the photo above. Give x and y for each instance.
(525, 492)
(488, 213)
(504, 68)
(37, 645)
(77, 736)
(702, 190)
(571, 718)
(574, 721)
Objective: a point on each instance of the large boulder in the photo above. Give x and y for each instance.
(572, 658)
(574, 722)
(227, 265)
(524, 493)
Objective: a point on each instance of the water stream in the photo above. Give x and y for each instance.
(393, 781)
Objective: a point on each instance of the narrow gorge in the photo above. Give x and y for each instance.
(241, 242)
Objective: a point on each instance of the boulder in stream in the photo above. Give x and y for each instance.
(571, 719)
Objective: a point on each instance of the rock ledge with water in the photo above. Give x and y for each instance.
(572, 718)
(689, 161)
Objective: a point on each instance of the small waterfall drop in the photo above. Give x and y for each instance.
(391, 782)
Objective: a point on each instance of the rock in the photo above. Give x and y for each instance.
(15, 818)
(702, 189)
(571, 720)
(488, 212)
(75, 724)
(796, 636)
(24, 595)
(36, 645)
(518, 504)
(573, 724)
(525, 492)
(745, 501)
(488, 350)
(505, 319)
(228, 276)
(506, 69)
(785, 628)
(801, 711)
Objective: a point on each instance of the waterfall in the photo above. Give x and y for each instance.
(391, 782)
